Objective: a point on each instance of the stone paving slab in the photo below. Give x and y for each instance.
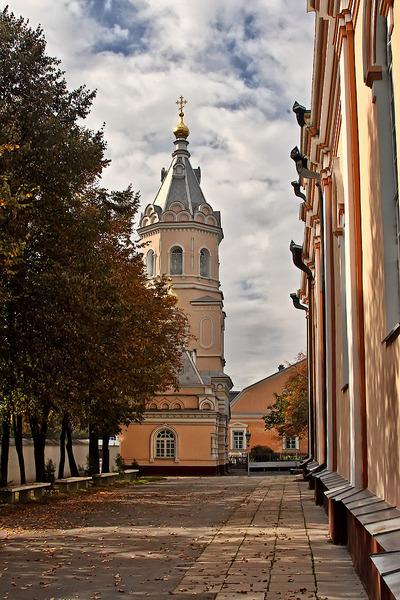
(287, 557)
(259, 537)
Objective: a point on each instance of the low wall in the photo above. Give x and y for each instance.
(52, 451)
(274, 464)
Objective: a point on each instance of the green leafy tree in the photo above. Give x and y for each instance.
(289, 413)
(84, 339)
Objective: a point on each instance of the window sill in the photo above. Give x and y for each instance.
(392, 335)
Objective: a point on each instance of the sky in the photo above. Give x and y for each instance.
(240, 64)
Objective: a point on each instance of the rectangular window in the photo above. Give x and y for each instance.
(238, 440)
(290, 443)
(214, 446)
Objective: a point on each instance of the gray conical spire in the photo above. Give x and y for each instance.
(181, 183)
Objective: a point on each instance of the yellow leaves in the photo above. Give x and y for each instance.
(9, 147)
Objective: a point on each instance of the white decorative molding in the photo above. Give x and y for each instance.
(206, 401)
(153, 436)
(176, 245)
(185, 417)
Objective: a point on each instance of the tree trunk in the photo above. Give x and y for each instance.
(64, 425)
(94, 459)
(19, 447)
(105, 465)
(71, 459)
(39, 432)
(5, 450)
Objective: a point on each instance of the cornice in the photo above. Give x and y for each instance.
(179, 226)
(193, 286)
(246, 416)
(343, 25)
(206, 417)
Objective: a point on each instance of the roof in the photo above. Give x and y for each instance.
(189, 374)
(181, 183)
(282, 373)
(206, 300)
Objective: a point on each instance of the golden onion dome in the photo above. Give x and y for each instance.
(181, 130)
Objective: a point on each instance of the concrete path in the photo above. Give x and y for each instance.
(258, 537)
(275, 547)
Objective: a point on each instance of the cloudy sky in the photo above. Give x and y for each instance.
(240, 64)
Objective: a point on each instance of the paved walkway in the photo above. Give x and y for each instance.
(258, 537)
(275, 547)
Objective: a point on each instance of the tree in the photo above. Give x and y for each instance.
(84, 339)
(289, 413)
(10, 205)
(47, 158)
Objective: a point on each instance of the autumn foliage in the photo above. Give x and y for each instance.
(289, 413)
(85, 338)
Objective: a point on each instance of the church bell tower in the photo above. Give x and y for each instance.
(182, 234)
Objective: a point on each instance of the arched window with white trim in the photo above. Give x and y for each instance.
(150, 263)
(176, 261)
(165, 444)
(205, 263)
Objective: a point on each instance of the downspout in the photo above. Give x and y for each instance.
(303, 171)
(323, 302)
(297, 252)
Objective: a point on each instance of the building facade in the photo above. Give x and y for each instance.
(348, 181)
(185, 431)
(247, 411)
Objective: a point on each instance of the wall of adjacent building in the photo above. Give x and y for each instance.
(250, 406)
(351, 244)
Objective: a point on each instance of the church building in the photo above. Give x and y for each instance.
(185, 432)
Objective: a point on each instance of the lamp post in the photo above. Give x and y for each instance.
(248, 436)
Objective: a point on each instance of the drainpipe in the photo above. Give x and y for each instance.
(304, 172)
(297, 252)
(323, 301)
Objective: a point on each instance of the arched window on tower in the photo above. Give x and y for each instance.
(165, 444)
(150, 260)
(176, 261)
(205, 263)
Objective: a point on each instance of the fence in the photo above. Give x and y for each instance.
(268, 461)
(277, 456)
(276, 461)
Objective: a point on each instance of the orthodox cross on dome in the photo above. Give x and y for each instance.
(181, 102)
(181, 131)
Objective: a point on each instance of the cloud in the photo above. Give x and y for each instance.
(241, 66)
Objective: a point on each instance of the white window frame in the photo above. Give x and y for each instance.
(170, 251)
(153, 443)
(150, 262)
(234, 437)
(165, 444)
(291, 443)
(207, 271)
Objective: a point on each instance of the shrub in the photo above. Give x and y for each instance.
(49, 471)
